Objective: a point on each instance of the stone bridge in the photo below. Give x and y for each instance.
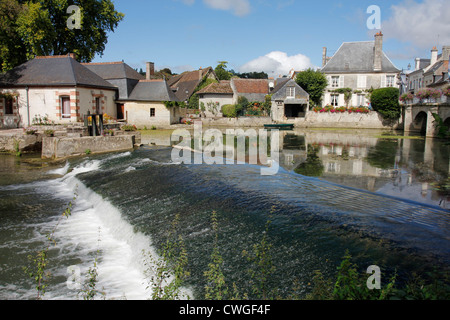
(419, 117)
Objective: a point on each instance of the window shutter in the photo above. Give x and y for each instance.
(341, 82)
(329, 81)
(383, 81)
(362, 82)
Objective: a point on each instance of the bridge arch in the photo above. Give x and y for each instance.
(420, 122)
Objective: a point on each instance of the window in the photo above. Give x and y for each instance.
(9, 106)
(152, 112)
(362, 82)
(335, 82)
(335, 100)
(361, 100)
(290, 92)
(390, 81)
(65, 107)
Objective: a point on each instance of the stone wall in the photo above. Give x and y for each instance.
(60, 148)
(371, 120)
(26, 143)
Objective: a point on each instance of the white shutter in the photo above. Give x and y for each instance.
(383, 81)
(341, 81)
(329, 82)
(362, 82)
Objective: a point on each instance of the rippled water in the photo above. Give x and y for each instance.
(126, 203)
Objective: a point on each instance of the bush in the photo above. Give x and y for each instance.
(229, 111)
(386, 102)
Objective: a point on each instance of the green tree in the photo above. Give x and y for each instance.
(12, 49)
(221, 71)
(386, 102)
(314, 82)
(40, 28)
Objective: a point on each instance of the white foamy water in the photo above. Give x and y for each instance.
(96, 227)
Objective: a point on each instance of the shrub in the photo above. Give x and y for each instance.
(386, 102)
(229, 111)
(129, 128)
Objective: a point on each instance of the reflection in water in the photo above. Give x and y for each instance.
(411, 168)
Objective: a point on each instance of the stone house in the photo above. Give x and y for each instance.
(214, 96)
(146, 105)
(431, 72)
(57, 87)
(289, 101)
(359, 66)
(120, 75)
(185, 85)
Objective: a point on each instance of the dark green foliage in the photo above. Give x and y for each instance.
(314, 82)
(39, 28)
(386, 102)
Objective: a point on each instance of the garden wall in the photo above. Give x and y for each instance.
(371, 120)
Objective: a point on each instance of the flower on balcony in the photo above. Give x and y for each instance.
(406, 97)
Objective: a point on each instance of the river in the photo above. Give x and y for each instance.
(380, 196)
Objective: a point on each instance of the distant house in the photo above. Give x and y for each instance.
(289, 100)
(255, 90)
(214, 96)
(55, 86)
(146, 105)
(359, 66)
(430, 72)
(120, 75)
(186, 84)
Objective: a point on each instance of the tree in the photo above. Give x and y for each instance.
(40, 28)
(12, 49)
(386, 102)
(314, 82)
(221, 71)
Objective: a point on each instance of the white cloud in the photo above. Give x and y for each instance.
(277, 63)
(238, 7)
(423, 24)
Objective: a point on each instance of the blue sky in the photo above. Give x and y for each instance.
(269, 35)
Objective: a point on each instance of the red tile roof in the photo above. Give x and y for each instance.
(251, 86)
(224, 87)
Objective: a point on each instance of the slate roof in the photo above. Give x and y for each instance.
(152, 90)
(301, 96)
(357, 57)
(224, 87)
(185, 84)
(114, 70)
(53, 71)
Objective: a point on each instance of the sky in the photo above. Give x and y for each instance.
(273, 36)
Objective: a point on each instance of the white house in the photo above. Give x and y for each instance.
(57, 87)
(360, 66)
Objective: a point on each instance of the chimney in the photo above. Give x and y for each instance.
(377, 65)
(324, 57)
(200, 74)
(434, 56)
(445, 53)
(150, 70)
(417, 64)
